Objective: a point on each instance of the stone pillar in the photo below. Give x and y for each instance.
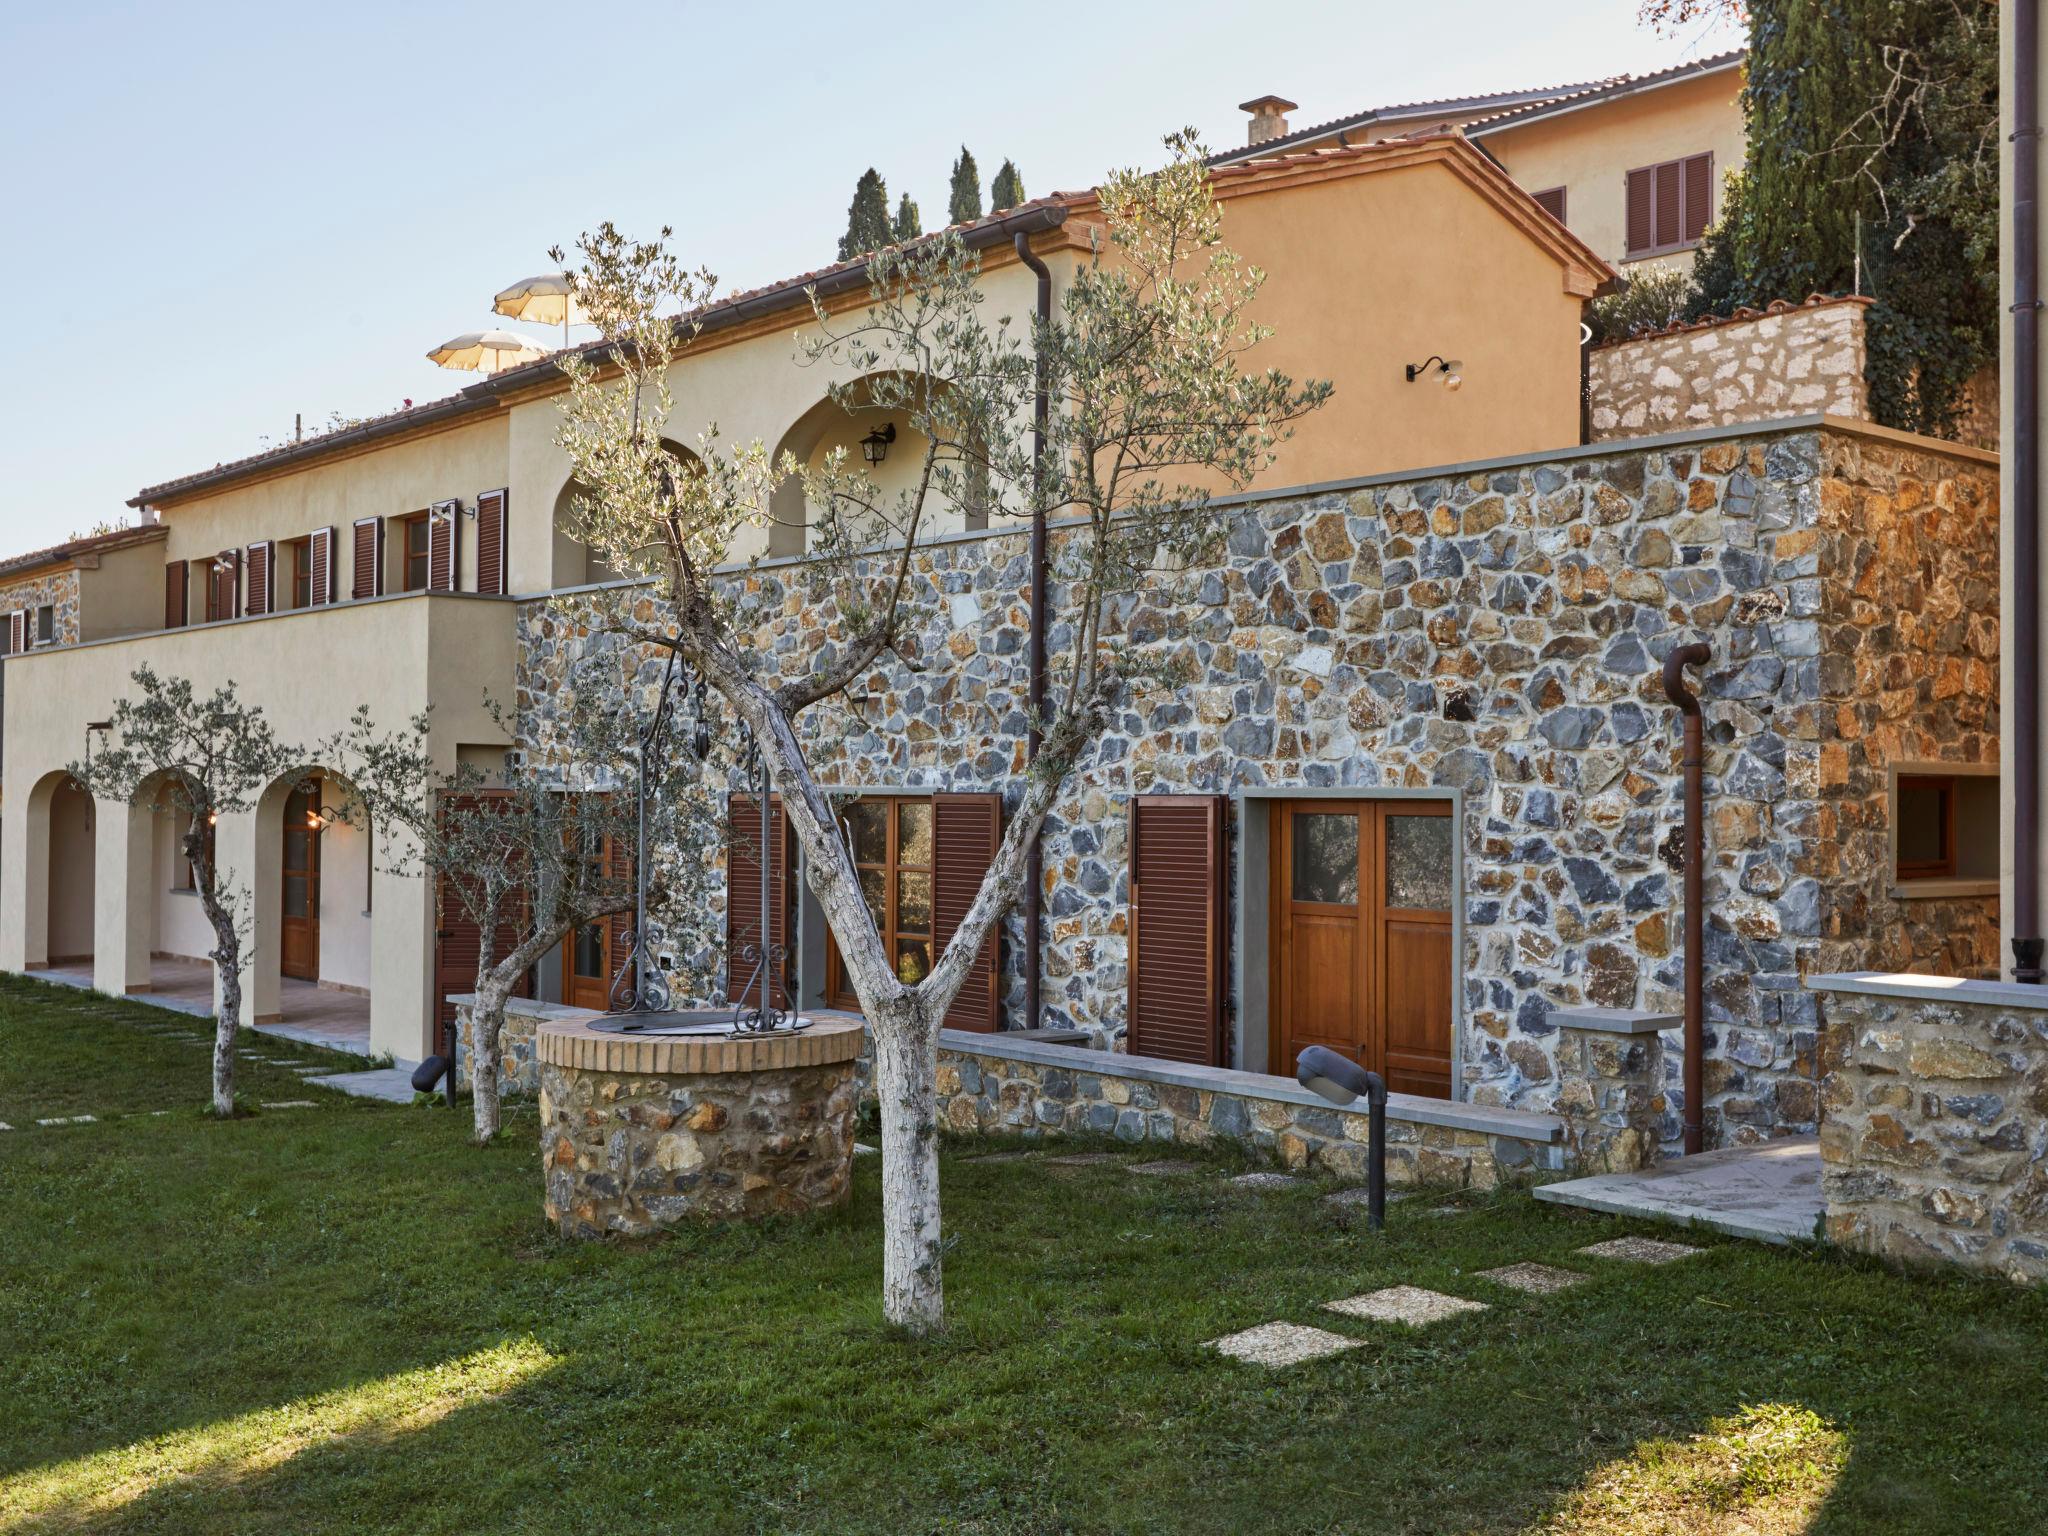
(124, 895)
(1610, 1085)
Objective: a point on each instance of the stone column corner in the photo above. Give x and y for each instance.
(1610, 1086)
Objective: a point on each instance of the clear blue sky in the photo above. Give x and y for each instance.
(220, 215)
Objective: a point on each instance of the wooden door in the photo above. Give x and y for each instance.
(1360, 947)
(301, 942)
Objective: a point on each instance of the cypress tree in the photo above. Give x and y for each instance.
(963, 202)
(907, 226)
(1007, 190)
(867, 217)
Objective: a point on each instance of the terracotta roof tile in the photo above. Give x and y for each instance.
(1740, 314)
(71, 549)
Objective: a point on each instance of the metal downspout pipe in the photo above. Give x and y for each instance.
(1041, 405)
(2026, 495)
(1694, 854)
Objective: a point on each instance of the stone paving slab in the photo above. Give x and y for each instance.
(862, 1149)
(391, 1084)
(1278, 1344)
(292, 1104)
(70, 1120)
(1409, 1304)
(1266, 1181)
(1084, 1159)
(1536, 1279)
(1000, 1157)
(1770, 1192)
(1639, 1250)
(1166, 1167)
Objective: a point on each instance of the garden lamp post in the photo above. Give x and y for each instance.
(1344, 1082)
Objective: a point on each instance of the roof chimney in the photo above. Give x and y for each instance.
(1269, 118)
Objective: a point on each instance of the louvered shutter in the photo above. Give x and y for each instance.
(1640, 233)
(1699, 195)
(17, 632)
(491, 552)
(444, 545)
(743, 894)
(966, 830)
(224, 586)
(320, 556)
(1177, 948)
(1669, 227)
(1551, 201)
(177, 593)
(261, 562)
(367, 540)
(618, 865)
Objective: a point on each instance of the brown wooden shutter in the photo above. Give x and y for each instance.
(1178, 953)
(1670, 222)
(490, 542)
(368, 551)
(743, 893)
(177, 593)
(458, 938)
(1640, 232)
(320, 555)
(1551, 201)
(224, 586)
(966, 830)
(444, 546)
(1699, 195)
(261, 562)
(17, 632)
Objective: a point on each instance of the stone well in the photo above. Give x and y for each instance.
(639, 1134)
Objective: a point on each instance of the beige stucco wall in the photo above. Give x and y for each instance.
(71, 873)
(1590, 151)
(307, 671)
(121, 591)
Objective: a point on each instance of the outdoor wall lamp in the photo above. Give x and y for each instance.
(1344, 1082)
(1447, 367)
(875, 446)
(92, 726)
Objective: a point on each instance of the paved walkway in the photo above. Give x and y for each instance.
(316, 1015)
(1771, 1191)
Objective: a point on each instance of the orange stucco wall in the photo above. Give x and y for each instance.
(1370, 273)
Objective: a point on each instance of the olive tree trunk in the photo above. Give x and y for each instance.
(494, 984)
(227, 962)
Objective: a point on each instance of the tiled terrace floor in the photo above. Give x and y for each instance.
(1770, 1191)
(317, 1015)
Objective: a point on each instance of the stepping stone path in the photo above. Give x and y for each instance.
(1265, 1181)
(1165, 1167)
(1000, 1157)
(4, 1126)
(1276, 1344)
(70, 1120)
(1639, 1250)
(1409, 1304)
(1084, 1159)
(292, 1104)
(1536, 1279)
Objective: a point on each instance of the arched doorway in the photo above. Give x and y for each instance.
(829, 425)
(576, 565)
(312, 893)
(63, 813)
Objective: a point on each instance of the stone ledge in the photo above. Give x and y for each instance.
(1522, 1125)
(1931, 989)
(1616, 1021)
(574, 1044)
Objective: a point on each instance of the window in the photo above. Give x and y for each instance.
(417, 536)
(299, 566)
(892, 840)
(1669, 206)
(1944, 827)
(1551, 200)
(46, 625)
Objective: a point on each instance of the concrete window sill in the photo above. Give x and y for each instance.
(1937, 890)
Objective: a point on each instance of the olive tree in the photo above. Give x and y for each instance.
(212, 756)
(1152, 408)
(529, 854)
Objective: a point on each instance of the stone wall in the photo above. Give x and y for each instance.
(1935, 1141)
(1790, 360)
(59, 589)
(1498, 633)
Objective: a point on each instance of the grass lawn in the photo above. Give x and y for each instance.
(346, 1319)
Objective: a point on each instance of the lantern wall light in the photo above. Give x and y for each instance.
(875, 446)
(1446, 368)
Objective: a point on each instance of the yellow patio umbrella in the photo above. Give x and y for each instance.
(487, 351)
(547, 299)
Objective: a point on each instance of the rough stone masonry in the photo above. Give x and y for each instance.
(1496, 631)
